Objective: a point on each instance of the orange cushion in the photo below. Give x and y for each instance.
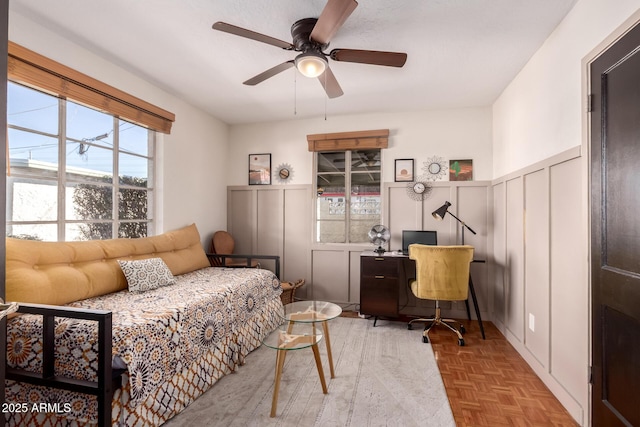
(58, 273)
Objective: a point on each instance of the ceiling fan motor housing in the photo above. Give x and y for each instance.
(301, 34)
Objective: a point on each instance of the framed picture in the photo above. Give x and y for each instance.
(259, 169)
(461, 170)
(404, 170)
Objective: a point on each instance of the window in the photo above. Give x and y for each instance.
(75, 173)
(347, 216)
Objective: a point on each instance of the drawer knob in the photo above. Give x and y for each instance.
(379, 277)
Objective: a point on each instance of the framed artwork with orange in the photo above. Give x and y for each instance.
(461, 170)
(404, 170)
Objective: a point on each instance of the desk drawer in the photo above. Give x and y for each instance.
(380, 267)
(379, 296)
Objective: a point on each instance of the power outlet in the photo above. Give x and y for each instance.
(532, 322)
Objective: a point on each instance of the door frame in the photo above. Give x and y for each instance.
(595, 53)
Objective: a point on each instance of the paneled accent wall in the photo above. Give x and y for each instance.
(539, 275)
(278, 220)
(273, 220)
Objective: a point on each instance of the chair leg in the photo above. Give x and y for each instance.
(451, 328)
(410, 324)
(437, 320)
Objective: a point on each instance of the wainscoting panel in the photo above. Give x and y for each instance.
(515, 261)
(296, 257)
(446, 228)
(330, 275)
(472, 202)
(472, 209)
(354, 278)
(569, 282)
(536, 261)
(270, 222)
(498, 268)
(241, 219)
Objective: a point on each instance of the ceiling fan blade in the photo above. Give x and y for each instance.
(374, 57)
(243, 32)
(333, 16)
(269, 73)
(330, 84)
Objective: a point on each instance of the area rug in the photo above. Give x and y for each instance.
(385, 376)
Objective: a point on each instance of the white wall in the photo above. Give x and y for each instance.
(192, 162)
(450, 134)
(540, 113)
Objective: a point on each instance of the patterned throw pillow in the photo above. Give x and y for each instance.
(146, 274)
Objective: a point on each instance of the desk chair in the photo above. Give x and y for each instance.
(442, 274)
(222, 243)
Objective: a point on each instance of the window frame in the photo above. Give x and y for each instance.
(62, 180)
(37, 72)
(348, 173)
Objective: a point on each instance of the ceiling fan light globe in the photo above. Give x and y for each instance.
(310, 64)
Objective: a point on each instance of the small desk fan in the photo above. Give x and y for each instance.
(379, 235)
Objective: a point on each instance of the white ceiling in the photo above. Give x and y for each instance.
(461, 53)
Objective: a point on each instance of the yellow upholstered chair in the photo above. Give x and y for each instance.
(442, 274)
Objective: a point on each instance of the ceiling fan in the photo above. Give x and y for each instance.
(311, 37)
(368, 160)
(362, 160)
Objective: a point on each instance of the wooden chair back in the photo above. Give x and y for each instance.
(222, 243)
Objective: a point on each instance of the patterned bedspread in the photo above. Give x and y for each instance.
(156, 333)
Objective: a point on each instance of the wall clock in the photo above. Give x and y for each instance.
(284, 173)
(435, 168)
(419, 189)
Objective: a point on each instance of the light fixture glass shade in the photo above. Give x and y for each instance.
(441, 211)
(311, 64)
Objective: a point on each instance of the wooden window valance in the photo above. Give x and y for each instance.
(343, 141)
(32, 69)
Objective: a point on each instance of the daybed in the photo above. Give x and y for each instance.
(165, 346)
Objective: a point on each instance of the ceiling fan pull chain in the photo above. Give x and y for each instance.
(295, 92)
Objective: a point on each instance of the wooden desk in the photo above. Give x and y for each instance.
(381, 278)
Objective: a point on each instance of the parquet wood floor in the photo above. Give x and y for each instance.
(489, 384)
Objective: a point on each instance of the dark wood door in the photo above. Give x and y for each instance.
(615, 233)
